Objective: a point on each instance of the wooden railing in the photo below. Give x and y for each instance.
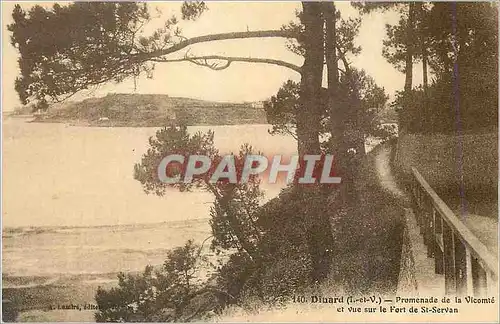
(469, 268)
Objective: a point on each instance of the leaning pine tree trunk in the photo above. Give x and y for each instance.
(308, 115)
(334, 106)
(319, 234)
(338, 107)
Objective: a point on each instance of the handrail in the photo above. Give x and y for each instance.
(469, 238)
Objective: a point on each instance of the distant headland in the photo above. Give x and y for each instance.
(151, 110)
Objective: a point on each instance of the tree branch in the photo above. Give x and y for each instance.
(217, 37)
(229, 60)
(343, 58)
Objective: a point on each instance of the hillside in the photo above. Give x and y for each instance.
(152, 110)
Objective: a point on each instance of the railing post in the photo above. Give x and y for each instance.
(449, 259)
(468, 267)
(420, 216)
(478, 278)
(423, 219)
(429, 230)
(467, 264)
(491, 284)
(439, 251)
(416, 204)
(431, 248)
(460, 267)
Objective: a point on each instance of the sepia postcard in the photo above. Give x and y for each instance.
(250, 161)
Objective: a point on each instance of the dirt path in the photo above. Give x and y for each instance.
(384, 174)
(483, 227)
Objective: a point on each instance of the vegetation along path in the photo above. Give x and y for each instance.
(369, 257)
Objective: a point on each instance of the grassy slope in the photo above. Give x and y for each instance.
(369, 233)
(366, 256)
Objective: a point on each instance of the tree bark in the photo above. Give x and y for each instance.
(336, 115)
(409, 47)
(424, 68)
(308, 114)
(423, 49)
(319, 235)
(340, 108)
(357, 140)
(225, 203)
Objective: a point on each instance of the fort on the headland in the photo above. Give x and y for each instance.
(153, 110)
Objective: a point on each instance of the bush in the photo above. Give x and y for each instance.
(156, 294)
(471, 107)
(9, 311)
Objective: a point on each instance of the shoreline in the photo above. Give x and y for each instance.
(8, 231)
(66, 297)
(135, 124)
(30, 119)
(43, 303)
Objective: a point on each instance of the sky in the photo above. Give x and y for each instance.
(241, 81)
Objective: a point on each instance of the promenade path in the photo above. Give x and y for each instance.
(368, 243)
(485, 228)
